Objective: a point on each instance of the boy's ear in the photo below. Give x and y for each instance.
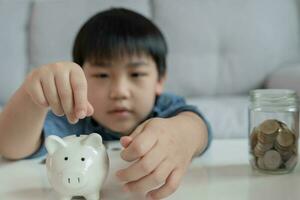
(53, 143)
(160, 85)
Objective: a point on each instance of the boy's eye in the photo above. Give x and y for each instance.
(137, 74)
(101, 75)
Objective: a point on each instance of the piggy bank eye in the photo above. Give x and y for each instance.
(82, 159)
(66, 158)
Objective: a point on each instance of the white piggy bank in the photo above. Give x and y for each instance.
(77, 165)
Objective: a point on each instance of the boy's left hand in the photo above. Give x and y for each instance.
(162, 154)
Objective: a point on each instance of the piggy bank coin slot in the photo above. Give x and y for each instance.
(116, 149)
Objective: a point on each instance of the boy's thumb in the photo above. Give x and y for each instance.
(90, 109)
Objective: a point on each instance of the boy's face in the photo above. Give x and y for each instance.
(122, 91)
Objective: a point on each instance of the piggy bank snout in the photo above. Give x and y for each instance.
(73, 179)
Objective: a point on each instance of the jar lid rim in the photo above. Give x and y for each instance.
(258, 92)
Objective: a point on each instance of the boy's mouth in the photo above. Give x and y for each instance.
(121, 112)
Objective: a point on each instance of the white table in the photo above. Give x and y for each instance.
(223, 172)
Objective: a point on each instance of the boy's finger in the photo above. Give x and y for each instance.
(79, 88)
(154, 180)
(49, 88)
(143, 167)
(169, 187)
(125, 141)
(36, 93)
(140, 145)
(90, 109)
(65, 94)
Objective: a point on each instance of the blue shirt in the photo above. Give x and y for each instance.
(166, 105)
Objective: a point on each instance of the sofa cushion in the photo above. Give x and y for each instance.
(54, 25)
(227, 115)
(13, 45)
(226, 47)
(286, 77)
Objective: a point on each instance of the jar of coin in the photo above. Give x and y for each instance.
(273, 130)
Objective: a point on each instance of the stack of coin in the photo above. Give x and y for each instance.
(273, 146)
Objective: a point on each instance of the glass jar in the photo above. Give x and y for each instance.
(273, 130)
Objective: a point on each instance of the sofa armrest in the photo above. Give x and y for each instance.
(285, 78)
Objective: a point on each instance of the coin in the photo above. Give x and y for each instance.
(260, 149)
(253, 136)
(285, 138)
(291, 162)
(269, 126)
(260, 163)
(272, 160)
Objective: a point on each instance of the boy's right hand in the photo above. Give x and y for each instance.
(62, 87)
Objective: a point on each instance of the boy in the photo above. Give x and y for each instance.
(114, 87)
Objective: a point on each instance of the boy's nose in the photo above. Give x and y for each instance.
(119, 90)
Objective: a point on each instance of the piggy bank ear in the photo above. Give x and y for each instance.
(53, 143)
(94, 140)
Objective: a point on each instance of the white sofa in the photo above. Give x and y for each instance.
(219, 50)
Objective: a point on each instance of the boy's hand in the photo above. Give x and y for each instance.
(62, 87)
(162, 155)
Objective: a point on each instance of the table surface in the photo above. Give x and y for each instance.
(223, 172)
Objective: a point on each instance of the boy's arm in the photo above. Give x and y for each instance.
(21, 123)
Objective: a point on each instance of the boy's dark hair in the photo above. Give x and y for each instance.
(117, 32)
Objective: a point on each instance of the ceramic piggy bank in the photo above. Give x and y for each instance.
(77, 165)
